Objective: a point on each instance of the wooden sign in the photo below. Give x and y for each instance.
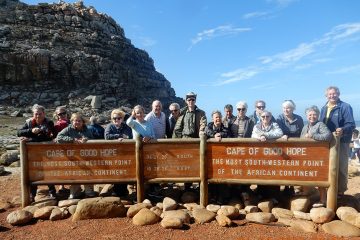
(171, 160)
(88, 161)
(300, 161)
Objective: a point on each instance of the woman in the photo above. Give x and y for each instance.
(117, 129)
(62, 119)
(318, 131)
(290, 123)
(266, 129)
(216, 128)
(38, 129)
(76, 132)
(140, 127)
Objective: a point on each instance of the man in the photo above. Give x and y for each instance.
(260, 106)
(338, 117)
(38, 129)
(175, 113)
(192, 120)
(157, 119)
(191, 123)
(229, 118)
(96, 129)
(243, 126)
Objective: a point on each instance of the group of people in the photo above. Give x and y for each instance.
(190, 121)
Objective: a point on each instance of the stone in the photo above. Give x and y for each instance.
(341, 229)
(282, 213)
(46, 202)
(145, 217)
(302, 215)
(192, 206)
(223, 221)
(10, 156)
(56, 214)
(180, 214)
(169, 204)
(159, 205)
(2, 170)
(202, 216)
(345, 210)
(260, 217)
(174, 223)
(301, 203)
(156, 210)
(213, 207)
(266, 206)
(321, 215)
(19, 217)
(96, 102)
(44, 212)
(229, 211)
(251, 209)
(72, 209)
(134, 209)
(303, 226)
(99, 207)
(31, 209)
(285, 221)
(68, 202)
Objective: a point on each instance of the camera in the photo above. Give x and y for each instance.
(43, 129)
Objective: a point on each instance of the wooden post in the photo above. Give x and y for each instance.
(25, 184)
(139, 170)
(203, 172)
(333, 173)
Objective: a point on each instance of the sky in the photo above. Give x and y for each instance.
(245, 50)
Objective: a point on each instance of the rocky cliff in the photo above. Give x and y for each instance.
(56, 54)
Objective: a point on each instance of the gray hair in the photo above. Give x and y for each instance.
(242, 103)
(229, 107)
(312, 108)
(37, 107)
(260, 101)
(268, 112)
(93, 120)
(289, 103)
(216, 112)
(175, 105)
(337, 90)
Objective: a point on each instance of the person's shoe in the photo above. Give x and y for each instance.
(89, 191)
(318, 205)
(75, 192)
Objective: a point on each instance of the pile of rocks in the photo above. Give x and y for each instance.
(173, 214)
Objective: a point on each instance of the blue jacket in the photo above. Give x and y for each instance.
(341, 116)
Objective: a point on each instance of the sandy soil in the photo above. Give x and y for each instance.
(122, 228)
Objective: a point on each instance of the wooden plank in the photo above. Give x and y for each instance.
(171, 160)
(54, 162)
(25, 184)
(333, 173)
(292, 161)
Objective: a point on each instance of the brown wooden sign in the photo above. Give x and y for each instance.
(53, 162)
(171, 160)
(301, 161)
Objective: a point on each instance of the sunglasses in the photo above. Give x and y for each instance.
(241, 109)
(117, 118)
(175, 110)
(191, 100)
(265, 116)
(260, 107)
(61, 114)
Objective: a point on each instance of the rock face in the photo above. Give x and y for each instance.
(54, 54)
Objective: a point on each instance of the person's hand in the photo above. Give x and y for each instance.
(262, 138)
(80, 140)
(285, 137)
(146, 139)
(36, 130)
(339, 132)
(217, 137)
(25, 139)
(120, 139)
(308, 135)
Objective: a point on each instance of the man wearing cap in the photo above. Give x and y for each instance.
(192, 120)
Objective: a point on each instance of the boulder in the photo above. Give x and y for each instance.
(321, 215)
(341, 229)
(223, 221)
(202, 216)
(169, 204)
(302, 215)
(43, 213)
(173, 223)
(68, 202)
(260, 217)
(213, 208)
(108, 207)
(56, 214)
(229, 211)
(282, 213)
(266, 206)
(179, 214)
(145, 217)
(19, 217)
(134, 209)
(301, 203)
(303, 226)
